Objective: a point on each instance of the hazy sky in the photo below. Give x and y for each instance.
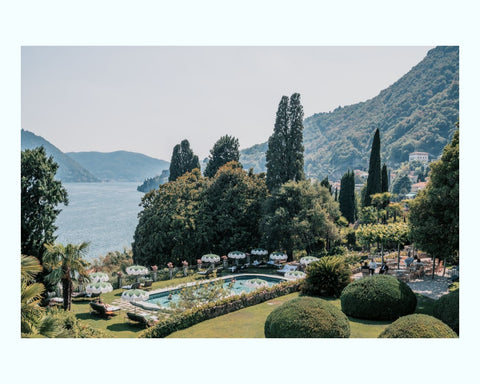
(147, 99)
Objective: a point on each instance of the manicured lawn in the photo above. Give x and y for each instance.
(245, 323)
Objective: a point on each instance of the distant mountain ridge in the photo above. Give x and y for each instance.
(97, 166)
(416, 113)
(69, 170)
(120, 165)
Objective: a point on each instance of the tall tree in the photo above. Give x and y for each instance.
(346, 198)
(223, 151)
(295, 147)
(384, 178)
(276, 155)
(325, 183)
(183, 160)
(434, 213)
(374, 180)
(66, 264)
(284, 155)
(41, 193)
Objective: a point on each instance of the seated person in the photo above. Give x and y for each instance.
(372, 266)
(409, 260)
(383, 268)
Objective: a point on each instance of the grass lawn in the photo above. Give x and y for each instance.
(245, 323)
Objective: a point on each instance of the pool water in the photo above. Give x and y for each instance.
(164, 299)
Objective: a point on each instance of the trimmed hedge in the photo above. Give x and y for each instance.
(447, 310)
(221, 307)
(418, 326)
(379, 297)
(307, 317)
(327, 277)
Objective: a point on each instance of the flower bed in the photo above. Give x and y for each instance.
(221, 307)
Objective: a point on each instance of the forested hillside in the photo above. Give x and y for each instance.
(416, 113)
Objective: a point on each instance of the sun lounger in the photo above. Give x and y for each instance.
(146, 320)
(147, 285)
(103, 310)
(287, 268)
(131, 286)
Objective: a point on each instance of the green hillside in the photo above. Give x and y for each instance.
(416, 113)
(69, 170)
(120, 165)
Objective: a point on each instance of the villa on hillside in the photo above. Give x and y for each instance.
(419, 156)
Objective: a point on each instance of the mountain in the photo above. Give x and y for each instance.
(416, 113)
(69, 170)
(120, 165)
(154, 182)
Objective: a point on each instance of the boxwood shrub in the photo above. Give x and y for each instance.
(307, 317)
(379, 297)
(327, 277)
(447, 309)
(418, 326)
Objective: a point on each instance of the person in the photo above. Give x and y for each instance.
(383, 268)
(409, 260)
(372, 266)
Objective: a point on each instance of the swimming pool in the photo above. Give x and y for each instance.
(239, 285)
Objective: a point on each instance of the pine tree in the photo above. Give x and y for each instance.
(183, 160)
(346, 197)
(284, 157)
(224, 151)
(374, 180)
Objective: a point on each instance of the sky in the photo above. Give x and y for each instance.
(147, 99)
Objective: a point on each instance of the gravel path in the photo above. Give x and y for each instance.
(434, 289)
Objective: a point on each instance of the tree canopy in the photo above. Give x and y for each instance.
(183, 160)
(223, 151)
(41, 193)
(434, 213)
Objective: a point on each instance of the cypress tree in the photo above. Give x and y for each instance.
(295, 147)
(346, 196)
(374, 180)
(183, 160)
(384, 178)
(325, 183)
(224, 151)
(284, 156)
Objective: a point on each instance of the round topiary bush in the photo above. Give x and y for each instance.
(307, 317)
(379, 297)
(447, 309)
(327, 277)
(418, 326)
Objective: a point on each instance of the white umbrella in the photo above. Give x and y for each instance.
(97, 277)
(308, 259)
(259, 252)
(276, 256)
(210, 258)
(134, 295)
(236, 255)
(255, 283)
(100, 287)
(294, 275)
(136, 270)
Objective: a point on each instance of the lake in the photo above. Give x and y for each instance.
(105, 214)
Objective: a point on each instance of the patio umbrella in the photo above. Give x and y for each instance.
(259, 252)
(134, 295)
(276, 256)
(137, 270)
(294, 275)
(255, 283)
(308, 259)
(100, 287)
(236, 255)
(210, 258)
(97, 277)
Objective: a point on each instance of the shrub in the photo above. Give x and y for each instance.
(447, 309)
(379, 297)
(307, 317)
(327, 277)
(418, 326)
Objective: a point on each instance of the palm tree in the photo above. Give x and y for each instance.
(66, 264)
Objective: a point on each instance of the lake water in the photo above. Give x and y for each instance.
(105, 214)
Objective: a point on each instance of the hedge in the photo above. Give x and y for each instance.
(307, 317)
(418, 326)
(447, 310)
(221, 307)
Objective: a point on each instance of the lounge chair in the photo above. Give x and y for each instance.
(131, 286)
(146, 320)
(207, 272)
(103, 310)
(287, 268)
(147, 285)
(84, 296)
